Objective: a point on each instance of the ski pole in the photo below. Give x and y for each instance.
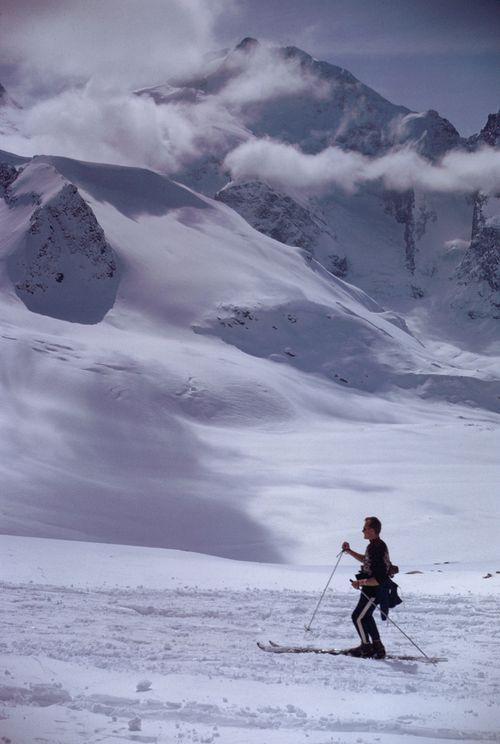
(339, 556)
(386, 615)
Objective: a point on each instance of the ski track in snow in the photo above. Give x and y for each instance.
(72, 660)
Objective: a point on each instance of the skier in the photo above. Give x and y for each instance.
(375, 571)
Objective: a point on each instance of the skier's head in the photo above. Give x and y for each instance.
(372, 528)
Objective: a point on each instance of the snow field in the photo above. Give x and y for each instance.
(73, 657)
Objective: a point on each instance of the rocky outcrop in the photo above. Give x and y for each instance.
(272, 213)
(62, 266)
(8, 175)
(479, 202)
(281, 217)
(400, 204)
(479, 273)
(489, 134)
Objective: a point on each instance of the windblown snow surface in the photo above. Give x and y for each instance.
(109, 644)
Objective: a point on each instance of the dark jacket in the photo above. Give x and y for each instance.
(377, 564)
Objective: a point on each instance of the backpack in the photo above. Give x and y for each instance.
(387, 597)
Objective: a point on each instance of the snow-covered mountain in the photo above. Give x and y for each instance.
(416, 237)
(190, 382)
(330, 107)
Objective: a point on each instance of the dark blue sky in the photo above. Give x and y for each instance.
(443, 54)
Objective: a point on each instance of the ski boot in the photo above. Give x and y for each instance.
(364, 651)
(378, 650)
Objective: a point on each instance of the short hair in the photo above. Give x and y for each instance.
(375, 523)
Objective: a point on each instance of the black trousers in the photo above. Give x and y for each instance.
(362, 618)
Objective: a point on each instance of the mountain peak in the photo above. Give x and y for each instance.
(248, 44)
(489, 134)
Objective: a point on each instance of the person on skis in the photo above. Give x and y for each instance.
(375, 571)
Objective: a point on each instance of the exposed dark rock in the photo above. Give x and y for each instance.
(8, 175)
(273, 213)
(489, 134)
(338, 265)
(248, 44)
(478, 217)
(479, 273)
(65, 268)
(401, 205)
(423, 217)
(481, 262)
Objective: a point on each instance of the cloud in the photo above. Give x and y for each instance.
(263, 74)
(286, 166)
(457, 171)
(98, 120)
(95, 122)
(126, 42)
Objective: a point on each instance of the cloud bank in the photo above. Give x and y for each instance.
(97, 123)
(263, 75)
(94, 54)
(98, 120)
(285, 165)
(124, 42)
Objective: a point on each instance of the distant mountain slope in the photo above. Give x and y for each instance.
(332, 108)
(408, 249)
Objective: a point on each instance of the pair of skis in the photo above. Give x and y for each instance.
(277, 648)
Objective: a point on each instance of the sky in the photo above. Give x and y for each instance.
(442, 54)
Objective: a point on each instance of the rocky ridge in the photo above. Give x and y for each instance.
(281, 217)
(62, 266)
(478, 274)
(489, 134)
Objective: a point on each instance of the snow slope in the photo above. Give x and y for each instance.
(235, 399)
(104, 643)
